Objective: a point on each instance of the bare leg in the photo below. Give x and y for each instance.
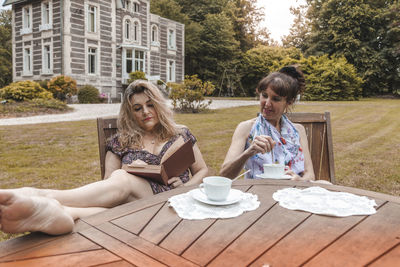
(120, 188)
(77, 213)
(20, 214)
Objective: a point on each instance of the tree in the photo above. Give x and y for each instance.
(300, 30)
(246, 18)
(218, 48)
(360, 30)
(260, 61)
(5, 48)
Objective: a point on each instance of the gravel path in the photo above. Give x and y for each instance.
(92, 111)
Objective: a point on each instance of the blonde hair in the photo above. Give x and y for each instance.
(130, 133)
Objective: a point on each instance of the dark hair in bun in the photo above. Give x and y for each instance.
(287, 82)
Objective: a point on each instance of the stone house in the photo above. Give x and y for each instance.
(97, 42)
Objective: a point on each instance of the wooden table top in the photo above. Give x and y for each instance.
(148, 232)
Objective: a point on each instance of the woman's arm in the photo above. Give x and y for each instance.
(113, 162)
(237, 155)
(198, 169)
(308, 166)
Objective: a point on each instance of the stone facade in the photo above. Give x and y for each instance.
(96, 42)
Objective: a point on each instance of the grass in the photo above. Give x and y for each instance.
(366, 141)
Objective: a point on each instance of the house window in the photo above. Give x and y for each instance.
(27, 64)
(154, 34)
(46, 13)
(26, 20)
(171, 39)
(136, 31)
(127, 29)
(46, 59)
(92, 60)
(136, 7)
(128, 5)
(171, 71)
(129, 60)
(134, 61)
(139, 60)
(91, 19)
(46, 16)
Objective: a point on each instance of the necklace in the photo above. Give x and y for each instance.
(151, 141)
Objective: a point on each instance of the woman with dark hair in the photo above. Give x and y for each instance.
(271, 136)
(145, 132)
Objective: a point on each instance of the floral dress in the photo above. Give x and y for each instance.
(128, 155)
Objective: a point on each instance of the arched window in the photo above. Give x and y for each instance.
(127, 29)
(154, 34)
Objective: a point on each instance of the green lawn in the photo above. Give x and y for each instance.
(366, 140)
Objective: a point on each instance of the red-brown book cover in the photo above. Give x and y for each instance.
(175, 161)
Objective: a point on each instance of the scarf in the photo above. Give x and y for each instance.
(286, 151)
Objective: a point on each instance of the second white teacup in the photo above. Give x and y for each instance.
(216, 188)
(274, 170)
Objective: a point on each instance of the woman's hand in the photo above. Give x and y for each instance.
(139, 161)
(175, 182)
(261, 144)
(294, 176)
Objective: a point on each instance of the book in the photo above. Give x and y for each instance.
(174, 162)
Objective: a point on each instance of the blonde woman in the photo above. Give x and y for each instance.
(145, 131)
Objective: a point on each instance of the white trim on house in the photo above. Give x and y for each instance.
(154, 35)
(171, 70)
(46, 16)
(26, 20)
(27, 54)
(171, 38)
(92, 27)
(131, 62)
(47, 58)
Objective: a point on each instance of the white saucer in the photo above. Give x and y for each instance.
(265, 176)
(233, 197)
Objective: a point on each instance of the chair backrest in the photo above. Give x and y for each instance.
(318, 129)
(106, 127)
(319, 135)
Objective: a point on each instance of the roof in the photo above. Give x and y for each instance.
(10, 2)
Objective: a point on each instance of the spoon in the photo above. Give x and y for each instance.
(240, 175)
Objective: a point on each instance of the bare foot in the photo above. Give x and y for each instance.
(20, 214)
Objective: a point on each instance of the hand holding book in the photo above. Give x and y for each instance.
(174, 162)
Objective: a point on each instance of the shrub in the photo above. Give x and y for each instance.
(62, 87)
(189, 96)
(137, 75)
(24, 90)
(48, 103)
(88, 94)
(330, 79)
(43, 84)
(258, 62)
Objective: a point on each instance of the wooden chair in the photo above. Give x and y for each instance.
(318, 129)
(106, 127)
(319, 135)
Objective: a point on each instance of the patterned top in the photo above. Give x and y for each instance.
(286, 151)
(128, 155)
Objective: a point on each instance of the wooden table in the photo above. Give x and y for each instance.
(149, 233)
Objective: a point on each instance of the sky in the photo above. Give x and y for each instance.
(277, 18)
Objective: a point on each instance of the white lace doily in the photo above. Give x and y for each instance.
(188, 208)
(321, 201)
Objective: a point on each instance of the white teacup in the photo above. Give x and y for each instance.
(216, 188)
(274, 170)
